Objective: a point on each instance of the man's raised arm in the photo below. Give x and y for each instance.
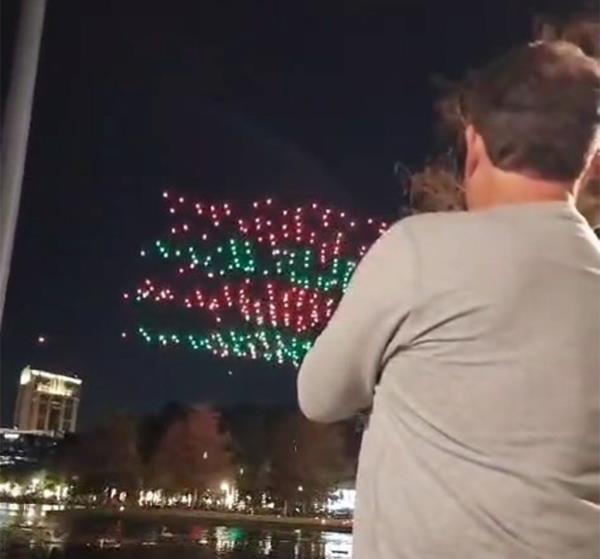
(338, 376)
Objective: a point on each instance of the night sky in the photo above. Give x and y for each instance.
(221, 100)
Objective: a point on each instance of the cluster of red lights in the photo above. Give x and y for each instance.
(329, 232)
(260, 303)
(279, 271)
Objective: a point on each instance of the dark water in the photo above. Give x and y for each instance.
(29, 532)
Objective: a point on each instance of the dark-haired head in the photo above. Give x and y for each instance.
(532, 121)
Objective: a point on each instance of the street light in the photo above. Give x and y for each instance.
(229, 496)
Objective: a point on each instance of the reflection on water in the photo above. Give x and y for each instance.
(28, 532)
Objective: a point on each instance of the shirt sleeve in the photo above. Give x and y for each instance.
(338, 376)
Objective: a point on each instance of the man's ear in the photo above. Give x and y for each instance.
(588, 194)
(591, 173)
(472, 156)
(594, 166)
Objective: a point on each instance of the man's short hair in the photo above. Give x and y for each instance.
(537, 109)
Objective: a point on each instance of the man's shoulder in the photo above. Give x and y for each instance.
(427, 232)
(437, 223)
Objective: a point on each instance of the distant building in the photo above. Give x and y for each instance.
(47, 402)
(26, 448)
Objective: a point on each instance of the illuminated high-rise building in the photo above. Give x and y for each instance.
(47, 401)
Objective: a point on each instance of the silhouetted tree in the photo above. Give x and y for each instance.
(308, 460)
(251, 429)
(105, 456)
(154, 426)
(192, 455)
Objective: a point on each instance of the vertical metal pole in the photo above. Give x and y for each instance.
(15, 129)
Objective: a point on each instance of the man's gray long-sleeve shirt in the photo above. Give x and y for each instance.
(475, 338)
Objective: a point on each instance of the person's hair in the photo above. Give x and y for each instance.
(537, 109)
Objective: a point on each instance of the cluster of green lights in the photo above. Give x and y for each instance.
(269, 344)
(265, 279)
(299, 266)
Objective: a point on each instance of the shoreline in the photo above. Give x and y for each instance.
(214, 517)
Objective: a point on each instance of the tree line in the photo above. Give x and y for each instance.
(268, 454)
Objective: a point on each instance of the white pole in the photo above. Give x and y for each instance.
(15, 129)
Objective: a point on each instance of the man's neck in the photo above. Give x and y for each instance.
(512, 188)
